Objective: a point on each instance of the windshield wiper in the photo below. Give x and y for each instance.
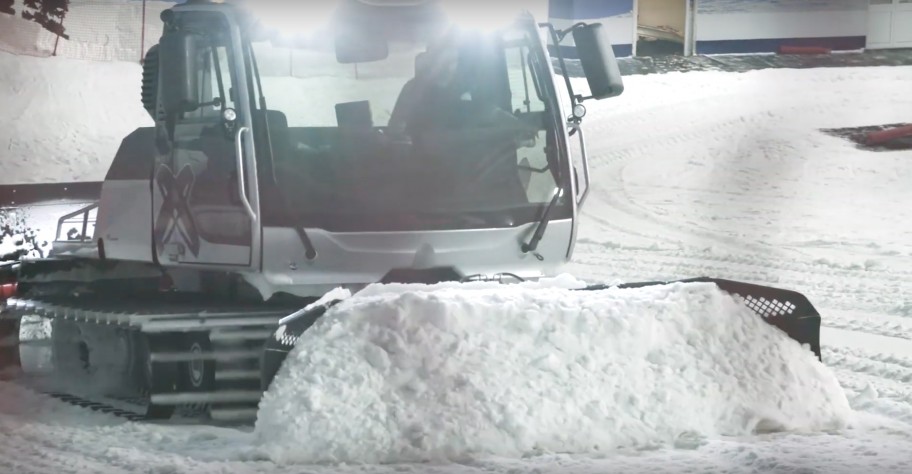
(310, 252)
(542, 225)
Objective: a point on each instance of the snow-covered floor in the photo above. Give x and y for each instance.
(701, 173)
(71, 127)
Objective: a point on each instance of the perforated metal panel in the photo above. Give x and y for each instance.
(769, 308)
(787, 310)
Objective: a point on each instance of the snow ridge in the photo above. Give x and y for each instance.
(413, 374)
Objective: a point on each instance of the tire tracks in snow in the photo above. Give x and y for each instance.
(872, 307)
(617, 208)
(896, 370)
(614, 199)
(876, 382)
(665, 248)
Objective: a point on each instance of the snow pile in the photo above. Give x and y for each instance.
(17, 238)
(403, 373)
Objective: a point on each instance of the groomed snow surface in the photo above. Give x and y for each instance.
(700, 173)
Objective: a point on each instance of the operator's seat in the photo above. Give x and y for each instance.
(279, 138)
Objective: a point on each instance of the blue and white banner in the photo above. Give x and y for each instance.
(750, 26)
(731, 26)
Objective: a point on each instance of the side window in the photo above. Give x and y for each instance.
(524, 91)
(200, 140)
(532, 159)
(215, 82)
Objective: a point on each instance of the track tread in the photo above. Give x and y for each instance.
(96, 406)
(83, 310)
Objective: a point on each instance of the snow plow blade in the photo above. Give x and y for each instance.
(787, 310)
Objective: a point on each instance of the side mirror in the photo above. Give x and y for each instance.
(178, 72)
(598, 61)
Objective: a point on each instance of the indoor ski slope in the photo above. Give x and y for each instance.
(703, 173)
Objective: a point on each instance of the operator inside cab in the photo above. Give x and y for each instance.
(447, 92)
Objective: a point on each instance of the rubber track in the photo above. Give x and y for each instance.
(76, 400)
(95, 406)
(186, 412)
(181, 412)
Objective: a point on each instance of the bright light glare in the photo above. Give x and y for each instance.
(495, 13)
(293, 18)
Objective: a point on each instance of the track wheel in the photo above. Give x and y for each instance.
(156, 377)
(196, 375)
(70, 353)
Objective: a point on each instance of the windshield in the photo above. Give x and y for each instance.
(449, 129)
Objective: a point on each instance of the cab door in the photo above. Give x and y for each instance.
(204, 189)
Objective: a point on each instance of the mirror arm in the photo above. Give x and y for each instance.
(563, 33)
(557, 37)
(215, 102)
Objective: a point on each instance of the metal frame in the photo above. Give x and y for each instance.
(690, 28)
(85, 211)
(242, 185)
(636, 25)
(192, 321)
(572, 123)
(584, 158)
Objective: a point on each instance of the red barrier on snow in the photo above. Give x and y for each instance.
(883, 136)
(7, 290)
(787, 49)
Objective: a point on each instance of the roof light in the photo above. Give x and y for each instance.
(395, 3)
(291, 19)
(497, 14)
